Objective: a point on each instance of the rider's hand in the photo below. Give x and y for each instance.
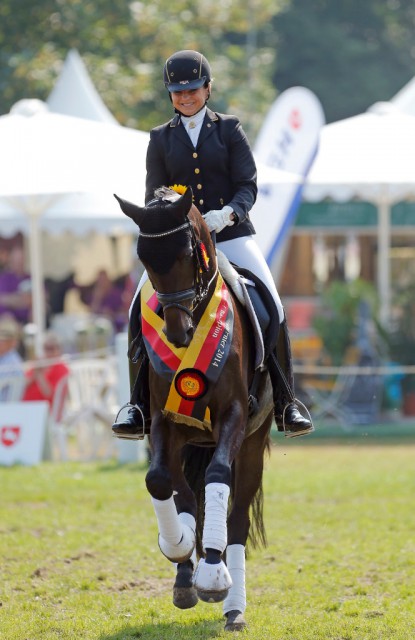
(217, 220)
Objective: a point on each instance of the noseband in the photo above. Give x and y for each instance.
(195, 294)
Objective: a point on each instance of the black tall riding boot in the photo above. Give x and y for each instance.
(287, 416)
(137, 423)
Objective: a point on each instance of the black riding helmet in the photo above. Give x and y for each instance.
(186, 70)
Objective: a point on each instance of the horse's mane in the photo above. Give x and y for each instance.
(165, 194)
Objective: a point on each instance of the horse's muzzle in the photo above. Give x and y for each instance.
(182, 340)
(178, 327)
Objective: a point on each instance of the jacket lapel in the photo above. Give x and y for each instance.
(180, 131)
(208, 126)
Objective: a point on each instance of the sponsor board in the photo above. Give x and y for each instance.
(23, 432)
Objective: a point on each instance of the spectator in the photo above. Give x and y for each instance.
(11, 363)
(106, 299)
(15, 288)
(43, 378)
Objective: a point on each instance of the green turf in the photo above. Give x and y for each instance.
(393, 433)
(79, 556)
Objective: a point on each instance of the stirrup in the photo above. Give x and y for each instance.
(133, 436)
(295, 434)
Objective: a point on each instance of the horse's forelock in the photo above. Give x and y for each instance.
(166, 194)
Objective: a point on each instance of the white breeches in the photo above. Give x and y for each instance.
(140, 285)
(245, 253)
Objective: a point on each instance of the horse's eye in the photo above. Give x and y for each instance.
(188, 253)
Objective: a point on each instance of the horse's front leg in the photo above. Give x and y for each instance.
(212, 578)
(176, 531)
(248, 473)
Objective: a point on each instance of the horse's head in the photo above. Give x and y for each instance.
(175, 247)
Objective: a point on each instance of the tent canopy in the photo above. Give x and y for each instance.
(404, 100)
(47, 153)
(74, 93)
(368, 157)
(59, 173)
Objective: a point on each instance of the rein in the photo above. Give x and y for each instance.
(195, 294)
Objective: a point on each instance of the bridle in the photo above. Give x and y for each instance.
(200, 289)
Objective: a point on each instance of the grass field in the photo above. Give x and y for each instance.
(79, 555)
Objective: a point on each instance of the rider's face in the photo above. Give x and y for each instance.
(190, 102)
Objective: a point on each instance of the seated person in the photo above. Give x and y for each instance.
(15, 288)
(104, 298)
(43, 378)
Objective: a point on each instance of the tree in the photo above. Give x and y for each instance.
(124, 46)
(350, 53)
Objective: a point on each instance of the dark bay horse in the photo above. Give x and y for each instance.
(212, 454)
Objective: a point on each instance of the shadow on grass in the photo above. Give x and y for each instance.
(202, 630)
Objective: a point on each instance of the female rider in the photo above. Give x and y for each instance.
(210, 152)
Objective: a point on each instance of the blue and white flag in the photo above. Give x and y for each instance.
(288, 142)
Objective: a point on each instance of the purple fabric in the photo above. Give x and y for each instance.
(12, 283)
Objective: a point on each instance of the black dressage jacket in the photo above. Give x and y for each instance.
(221, 169)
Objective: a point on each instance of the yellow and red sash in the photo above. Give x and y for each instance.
(192, 370)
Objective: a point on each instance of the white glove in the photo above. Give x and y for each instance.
(217, 220)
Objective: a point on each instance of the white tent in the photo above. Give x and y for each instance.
(59, 173)
(75, 95)
(369, 157)
(404, 100)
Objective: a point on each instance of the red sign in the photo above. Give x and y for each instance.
(9, 435)
(295, 119)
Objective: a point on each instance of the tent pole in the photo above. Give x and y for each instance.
(36, 271)
(384, 279)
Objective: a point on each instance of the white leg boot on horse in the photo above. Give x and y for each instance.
(235, 603)
(212, 578)
(176, 534)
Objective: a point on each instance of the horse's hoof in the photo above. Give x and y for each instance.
(211, 597)
(212, 581)
(185, 597)
(235, 621)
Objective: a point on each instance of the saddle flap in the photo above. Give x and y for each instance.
(260, 306)
(253, 317)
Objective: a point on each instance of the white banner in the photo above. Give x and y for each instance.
(288, 140)
(23, 432)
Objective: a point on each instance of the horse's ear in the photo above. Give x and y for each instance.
(189, 198)
(182, 206)
(131, 210)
